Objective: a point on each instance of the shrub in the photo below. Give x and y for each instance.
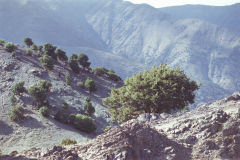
(49, 50)
(40, 49)
(84, 123)
(67, 78)
(71, 118)
(73, 63)
(64, 105)
(9, 47)
(68, 141)
(99, 71)
(90, 85)
(13, 54)
(28, 42)
(16, 113)
(40, 90)
(158, 90)
(29, 52)
(18, 88)
(47, 61)
(83, 60)
(113, 76)
(61, 55)
(62, 116)
(80, 84)
(13, 99)
(88, 107)
(2, 42)
(34, 47)
(107, 128)
(44, 111)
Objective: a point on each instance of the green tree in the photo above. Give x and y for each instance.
(16, 113)
(40, 49)
(44, 111)
(88, 107)
(49, 49)
(34, 47)
(2, 42)
(47, 61)
(28, 42)
(84, 123)
(61, 55)
(73, 63)
(90, 85)
(158, 90)
(18, 88)
(83, 60)
(68, 141)
(9, 47)
(67, 78)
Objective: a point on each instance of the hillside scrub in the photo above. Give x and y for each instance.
(18, 88)
(61, 55)
(47, 61)
(44, 111)
(9, 47)
(67, 78)
(29, 52)
(88, 107)
(49, 50)
(16, 113)
(28, 42)
(83, 60)
(73, 63)
(84, 123)
(90, 85)
(158, 90)
(110, 74)
(34, 47)
(68, 141)
(2, 42)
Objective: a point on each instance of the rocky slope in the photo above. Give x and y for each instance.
(35, 130)
(212, 131)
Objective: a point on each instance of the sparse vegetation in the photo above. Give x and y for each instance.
(101, 71)
(28, 42)
(88, 107)
(84, 123)
(16, 113)
(2, 42)
(18, 88)
(40, 91)
(13, 54)
(13, 100)
(68, 141)
(9, 47)
(158, 90)
(67, 78)
(47, 62)
(44, 111)
(29, 52)
(61, 55)
(83, 60)
(90, 85)
(40, 49)
(107, 128)
(49, 50)
(73, 63)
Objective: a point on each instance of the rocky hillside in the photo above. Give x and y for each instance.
(35, 130)
(212, 131)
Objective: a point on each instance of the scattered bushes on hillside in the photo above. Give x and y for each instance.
(113, 76)
(101, 71)
(40, 91)
(90, 85)
(9, 47)
(47, 62)
(29, 52)
(28, 42)
(2, 42)
(68, 141)
(44, 111)
(61, 55)
(49, 50)
(13, 100)
(73, 63)
(83, 60)
(84, 123)
(158, 90)
(18, 88)
(67, 78)
(88, 107)
(16, 113)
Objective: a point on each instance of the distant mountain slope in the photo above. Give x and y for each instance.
(225, 16)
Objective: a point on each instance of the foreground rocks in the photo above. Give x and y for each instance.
(212, 131)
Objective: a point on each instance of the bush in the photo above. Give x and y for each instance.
(68, 141)
(13, 99)
(29, 52)
(90, 85)
(61, 55)
(88, 107)
(40, 90)
(83, 60)
(28, 42)
(84, 123)
(49, 50)
(9, 47)
(34, 47)
(62, 116)
(16, 113)
(99, 71)
(67, 78)
(40, 49)
(47, 61)
(65, 105)
(2, 42)
(159, 90)
(113, 76)
(13, 54)
(18, 88)
(107, 128)
(73, 63)
(80, 84)
(44, 111)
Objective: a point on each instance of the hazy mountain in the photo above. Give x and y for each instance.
(203, 40)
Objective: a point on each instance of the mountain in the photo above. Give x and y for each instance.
(209, 132)
(35, 130)
(206, 47)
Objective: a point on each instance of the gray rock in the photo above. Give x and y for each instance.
(164, 115)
